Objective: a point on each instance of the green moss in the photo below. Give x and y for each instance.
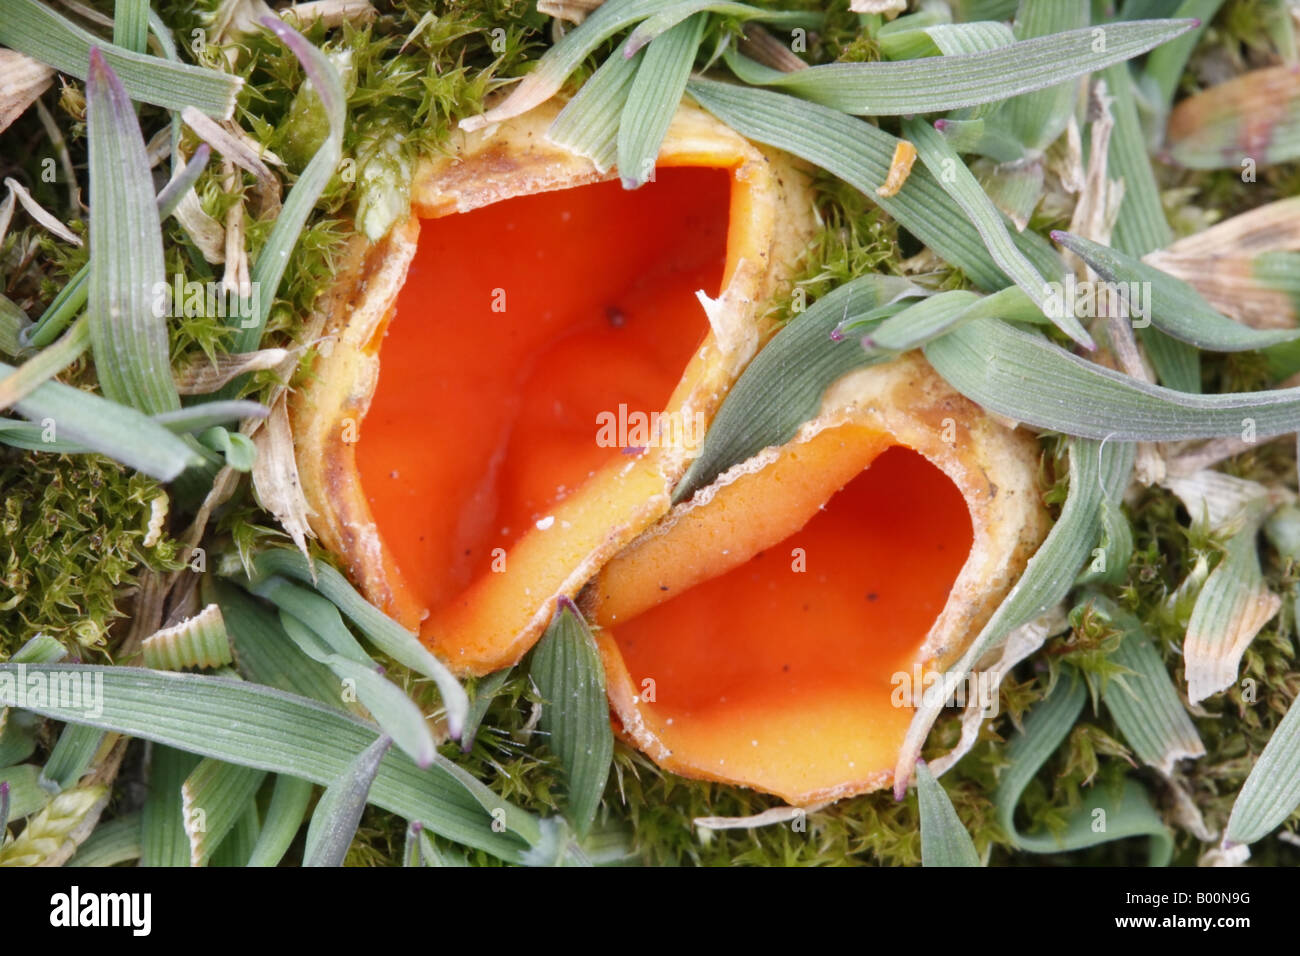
(72, 535)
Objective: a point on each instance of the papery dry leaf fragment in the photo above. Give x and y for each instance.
(275, 476)
(22, 80)
(17, 191)
(890, 8)
(1251, 120)
(202, 376)
(575, 11)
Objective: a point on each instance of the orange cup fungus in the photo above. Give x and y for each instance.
(520, 374)
(773, 631)
(547, 369)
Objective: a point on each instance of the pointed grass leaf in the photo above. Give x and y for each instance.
(288, 808)
(944, 841)
(943, 162)
(381, 630)
(1271, 792)
(33, 28)
(338, 814)
(163, 839)
(611, 17)
(589, 123)
(71, 757)
(653, 98)
(273, 259)
(1234, 605)
(61, 413)
(567, 669)
(1023, 376)
(861, 155)
(1104, 814)
(484, 693)
(940, 84)
(213, 799)
(1175, 307)
(75, 291)
(257, 726)
(782, 387)
(1144, 701)
(395, 713)
(265, 653)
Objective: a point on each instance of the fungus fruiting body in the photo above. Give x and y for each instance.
(520, 372)
(776, 630)
(520, 376)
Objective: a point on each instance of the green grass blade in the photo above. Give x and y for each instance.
(946, 166)
(1141, 226)
(163, 840)
(861, 155)
(71, 756)
(976, 36)
(1234, 604)
(117, 841)
(238, 845)
(197, 418)
(922, 321)
(41, 649)
(74, 293)
(274, 257)
(1164, 67)
(940, 84)
(653, 98)
(569, 675)
(588, 124)
(45, 364)
(1271, 792)
(1144, 702)
(30, 27)
(264, 651)
(256, 726)
(214, 797)
(289, 800)
(1176, 308)
(944, 841)
(338, 814)
(128, 328)
(782, 387)
(661, 22)
(1103, 815)
(486, 691)
(1025, 377)
(1177, 364)
(380, 629)
(131, 25)
(315, 612)
(1037, 119)
(124, 434)
(576, 45)
(395, 713)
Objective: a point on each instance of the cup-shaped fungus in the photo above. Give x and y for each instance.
(776, 629)
(518, 374)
